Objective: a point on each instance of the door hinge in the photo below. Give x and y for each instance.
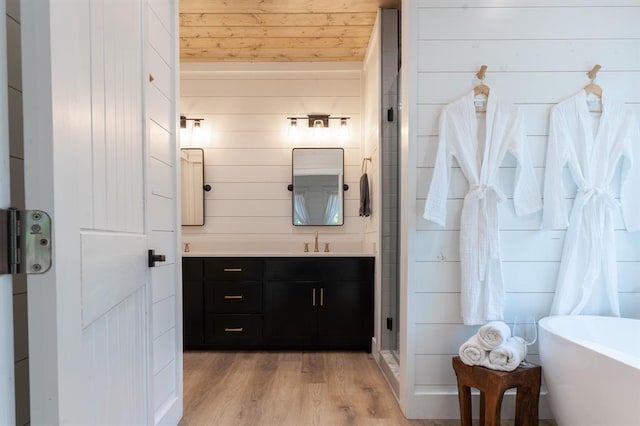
(25, 241)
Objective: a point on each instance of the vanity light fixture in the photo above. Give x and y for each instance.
(196, 135)
(183, 121)
(319, 123)
(317, 120)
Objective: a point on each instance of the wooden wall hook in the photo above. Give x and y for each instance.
(480, 74)
(594, 71)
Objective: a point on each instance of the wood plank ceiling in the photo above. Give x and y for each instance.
(277, 30)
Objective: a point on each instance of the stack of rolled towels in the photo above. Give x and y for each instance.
(493, 347)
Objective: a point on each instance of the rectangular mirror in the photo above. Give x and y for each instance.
(318, 186)
(192, 177)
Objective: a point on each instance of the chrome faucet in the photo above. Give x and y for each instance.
(315, 246)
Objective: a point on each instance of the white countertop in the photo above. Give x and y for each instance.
(277, 249)
(275, 254)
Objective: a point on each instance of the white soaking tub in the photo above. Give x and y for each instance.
(591, 367)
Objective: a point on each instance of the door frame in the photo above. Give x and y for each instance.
(7, 366)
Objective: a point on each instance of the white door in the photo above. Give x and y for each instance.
(7, 404)
(92, 317)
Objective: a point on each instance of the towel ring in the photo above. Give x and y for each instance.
(364, 164)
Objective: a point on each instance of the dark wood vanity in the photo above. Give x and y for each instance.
(278, 302)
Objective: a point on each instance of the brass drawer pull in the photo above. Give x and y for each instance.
(321, 296)
(313, 297)
(234, 330)
(233, 297)
(232, 269)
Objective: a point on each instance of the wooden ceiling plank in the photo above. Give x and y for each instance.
(265, 59)
(272, 60)
(281, 6)
(216, 32)
(286, 54)
(275, 19)
(278, 42)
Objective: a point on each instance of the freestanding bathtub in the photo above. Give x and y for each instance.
(591, 366)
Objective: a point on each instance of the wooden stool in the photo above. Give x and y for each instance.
(492, 384)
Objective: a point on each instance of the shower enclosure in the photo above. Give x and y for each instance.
(390, 218)
(390, 195)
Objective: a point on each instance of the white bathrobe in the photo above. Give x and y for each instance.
(479, 142)
(593, 146)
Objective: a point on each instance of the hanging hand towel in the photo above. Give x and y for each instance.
(493, 334)
(508, 356)
(365, 199)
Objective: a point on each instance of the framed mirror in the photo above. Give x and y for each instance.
(318, 186)
(192, 181)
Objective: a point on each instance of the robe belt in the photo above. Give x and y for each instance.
(487, 196)
(599, 195)
(596, 218)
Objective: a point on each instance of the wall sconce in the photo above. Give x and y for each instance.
(196, 135)
(319, 125)
(183, 121)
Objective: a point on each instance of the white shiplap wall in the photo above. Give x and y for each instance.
(538, 53)
(248, 154)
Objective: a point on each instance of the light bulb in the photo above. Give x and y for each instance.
(294, 130)
(343, 132)
(318, 130)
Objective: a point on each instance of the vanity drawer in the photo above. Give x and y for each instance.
(233, 269)
(234, 297)
(233, 330)
(292, 269)
(348, 269)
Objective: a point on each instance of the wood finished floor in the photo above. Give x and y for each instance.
(290, 389)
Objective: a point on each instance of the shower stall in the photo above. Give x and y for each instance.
(390, 195)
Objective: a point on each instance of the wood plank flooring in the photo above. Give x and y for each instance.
(290, 389)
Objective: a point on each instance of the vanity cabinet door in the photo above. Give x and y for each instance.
(290, 319)
(345, 315)
(345, 319)
(319, 303)
(192, 303)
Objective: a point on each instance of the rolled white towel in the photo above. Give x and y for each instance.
(493, 334)
(472, 353)
(508, 356)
